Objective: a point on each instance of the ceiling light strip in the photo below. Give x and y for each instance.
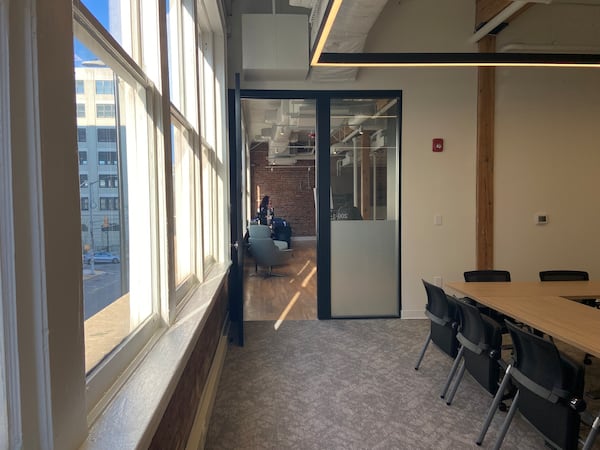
(332, 10)
(458, 60)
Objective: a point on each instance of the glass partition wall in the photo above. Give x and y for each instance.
(364, 191)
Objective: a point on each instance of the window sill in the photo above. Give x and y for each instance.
(132, 416)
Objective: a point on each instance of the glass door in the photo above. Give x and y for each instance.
(364, 207)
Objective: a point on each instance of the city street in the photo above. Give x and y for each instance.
(101, 289)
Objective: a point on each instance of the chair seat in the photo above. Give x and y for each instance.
(281, 245)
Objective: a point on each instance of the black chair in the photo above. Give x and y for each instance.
(442, 312)
(480, 338)
(473, 276)
(549, 390)
(486, 275)
(570, 275)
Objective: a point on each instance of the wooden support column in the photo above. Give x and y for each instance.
(485, 159)
(365, 176)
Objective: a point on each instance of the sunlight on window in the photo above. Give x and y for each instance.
(183, 199)
(115, 232)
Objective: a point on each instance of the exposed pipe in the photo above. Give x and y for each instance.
(374, 116)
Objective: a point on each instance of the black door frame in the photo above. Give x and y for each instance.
(322, 167)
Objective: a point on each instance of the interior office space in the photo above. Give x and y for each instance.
(545, 158)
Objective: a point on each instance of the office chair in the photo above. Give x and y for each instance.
(267, 254)
(441, 310)
(264, 231)
(486, 275)
(549, 390)
(570, 275)
(480, 339)
(473, 276)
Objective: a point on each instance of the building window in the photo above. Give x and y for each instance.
(109, 203)
(83, 180)
(107, 158)
(83, 158)
(85, 203)
(108, 181)
(80, 109)
(105, 87)
(130, 157)
(79, 87)
(105, 110)
(81, 134)
(107, 135)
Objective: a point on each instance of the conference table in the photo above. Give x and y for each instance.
(547, 306)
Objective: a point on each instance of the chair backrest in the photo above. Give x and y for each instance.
(471, 327)
(437, 302)
(487, 275)
(564, 275)
(259, 231)
(536, 358)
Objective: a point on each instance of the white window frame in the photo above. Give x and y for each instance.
(102, 381)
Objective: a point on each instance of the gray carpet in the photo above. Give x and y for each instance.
(347, 384)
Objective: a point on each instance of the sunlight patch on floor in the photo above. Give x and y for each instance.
(287, 309)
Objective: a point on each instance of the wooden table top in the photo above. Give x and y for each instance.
(544, 307)
(568, 289)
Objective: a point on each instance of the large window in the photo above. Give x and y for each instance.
(119, 291)
(101, 287)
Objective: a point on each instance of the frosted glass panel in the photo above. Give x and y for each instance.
(364, 269)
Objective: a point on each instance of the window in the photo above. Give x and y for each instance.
(105, 87)
(108, 181)
(109, 203)
(81, 134)
(80, 109)
(83, 158)
(107, 135)
(105, 110)
(79, 87)
(107, 158)
(128, 294)
(83, 180)
(184, 200)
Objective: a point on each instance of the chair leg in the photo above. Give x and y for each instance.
(589, 442)
(461, 373)
(494, 405)
(423, 351)
(507, 421)
(457, 360)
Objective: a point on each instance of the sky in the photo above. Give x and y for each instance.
(99, 8)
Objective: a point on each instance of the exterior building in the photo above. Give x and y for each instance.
(97, 142)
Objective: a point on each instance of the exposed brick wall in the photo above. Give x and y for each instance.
(290, 189)
(176, 424)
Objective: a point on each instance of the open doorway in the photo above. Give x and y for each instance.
(280, 158)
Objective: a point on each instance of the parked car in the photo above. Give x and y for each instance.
(101, 257)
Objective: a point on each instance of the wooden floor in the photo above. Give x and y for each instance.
(291, 297)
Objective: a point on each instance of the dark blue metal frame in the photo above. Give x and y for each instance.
(323, 99)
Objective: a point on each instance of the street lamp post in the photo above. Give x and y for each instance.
(92, 262)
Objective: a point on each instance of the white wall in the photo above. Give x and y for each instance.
(558, 105)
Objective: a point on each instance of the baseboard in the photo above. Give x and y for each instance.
(413, 314)
(197, 437)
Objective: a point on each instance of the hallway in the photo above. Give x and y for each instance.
(291, 297)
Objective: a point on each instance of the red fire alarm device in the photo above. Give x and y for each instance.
(438, 145)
